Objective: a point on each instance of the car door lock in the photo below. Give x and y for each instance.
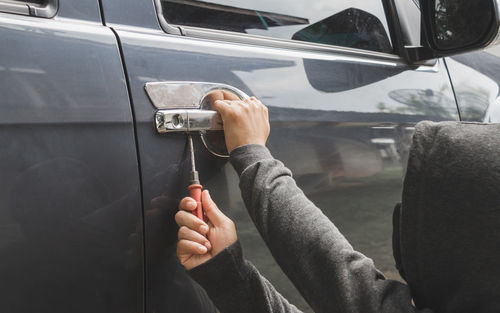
(187, 120)
(185, 107)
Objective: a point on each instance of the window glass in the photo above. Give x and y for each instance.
(30, 1)
(351, 23)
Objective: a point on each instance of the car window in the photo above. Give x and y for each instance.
(41, 2)
(357, 24)
(39, 8)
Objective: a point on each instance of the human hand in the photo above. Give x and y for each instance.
(193, 248)
(215, 95)
(245, 122)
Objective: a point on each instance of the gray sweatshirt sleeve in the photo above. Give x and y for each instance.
(321, 263)
(235, 285)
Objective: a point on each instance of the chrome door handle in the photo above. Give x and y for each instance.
(187, 120)
(183, 106)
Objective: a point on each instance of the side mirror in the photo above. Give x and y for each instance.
(456, 26)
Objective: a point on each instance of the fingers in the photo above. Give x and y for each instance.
(244, 121)
(216, 217)
(183, 218)
(238, 107)
(220, 94)
(187, 204)
(187, 247)
(258, 104)
(221, 106)
(191, 235)
(221, 100)
(228, 95)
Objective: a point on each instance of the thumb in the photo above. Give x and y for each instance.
(216, 217)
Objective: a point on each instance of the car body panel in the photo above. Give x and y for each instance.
(87, 11)
(130, 12)
(70, 209)
(76, 157)
(342, 124)
(476, 79)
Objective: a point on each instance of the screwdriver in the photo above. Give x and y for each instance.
(194, 183)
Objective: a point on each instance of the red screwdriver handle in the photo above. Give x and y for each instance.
(195, 193)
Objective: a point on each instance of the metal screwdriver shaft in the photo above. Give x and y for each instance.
(194, 182)
(193, 178)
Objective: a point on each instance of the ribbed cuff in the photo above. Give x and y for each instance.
(227, 261)
(223, 277)
(244, 156)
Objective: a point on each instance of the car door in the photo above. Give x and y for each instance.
(475, 77)
(70, 209)
(342, 108)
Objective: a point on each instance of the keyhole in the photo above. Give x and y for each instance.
(177, 121)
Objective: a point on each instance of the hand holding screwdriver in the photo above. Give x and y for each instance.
(200, 241)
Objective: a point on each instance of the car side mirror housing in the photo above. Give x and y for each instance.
(456, 26)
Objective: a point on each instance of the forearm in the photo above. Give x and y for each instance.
(316, 257)
(234, 285)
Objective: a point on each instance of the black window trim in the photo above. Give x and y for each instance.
(48, 10)
(234, 37)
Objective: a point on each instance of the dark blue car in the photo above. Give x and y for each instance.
(89, 187)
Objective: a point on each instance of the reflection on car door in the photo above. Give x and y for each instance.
(476, 78)
(340, 119)
(70, 217)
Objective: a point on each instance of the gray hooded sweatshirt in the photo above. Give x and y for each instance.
(447, 235)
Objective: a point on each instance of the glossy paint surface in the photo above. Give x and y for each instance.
(80, 10)
(137, 13)
(476, 80)
(70, 211)
(341, 123)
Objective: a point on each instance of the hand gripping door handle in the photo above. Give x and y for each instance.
(184, 107)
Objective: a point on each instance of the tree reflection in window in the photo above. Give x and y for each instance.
(351, 27)
(41, 2)
(223, 17)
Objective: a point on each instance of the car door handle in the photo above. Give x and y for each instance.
(184, 106)
(187, 120)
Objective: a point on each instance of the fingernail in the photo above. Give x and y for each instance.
(208, 194)
(208, 245)
(192, 204)
(203, 249)
(204, 229)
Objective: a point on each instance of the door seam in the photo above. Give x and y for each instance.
(139, 168)
(452, 89)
